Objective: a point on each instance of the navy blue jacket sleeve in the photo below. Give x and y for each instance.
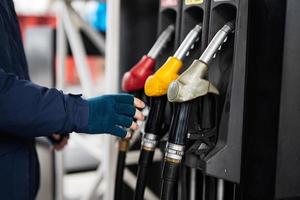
(29, 110)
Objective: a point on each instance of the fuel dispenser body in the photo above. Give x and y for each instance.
(238, 132)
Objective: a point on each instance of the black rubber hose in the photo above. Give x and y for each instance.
(170, 180)
(156, 115)
(180, 123)
(145, 161)
(177, 135)
(123, 148)
(119, 175)
(153, 126)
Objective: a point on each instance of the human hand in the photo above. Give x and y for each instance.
(59, 141)
(112, 113)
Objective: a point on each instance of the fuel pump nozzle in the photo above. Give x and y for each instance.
(133, 82)
(191, 84)
(157, 84)
(156, 87)
(188, 86)
(135, 79)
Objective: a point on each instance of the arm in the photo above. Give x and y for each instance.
(29, 110)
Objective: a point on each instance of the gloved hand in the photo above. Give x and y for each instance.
(58, 141)
(112, 113)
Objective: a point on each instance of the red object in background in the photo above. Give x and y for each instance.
(31, 21)
(96, 66)
(96, 63)
(135, 79)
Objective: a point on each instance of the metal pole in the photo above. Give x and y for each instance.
(220, 189)
(78, 50)
(97, 39)
(61, 49)
(112, 73)
(193, 184)
(204, 186)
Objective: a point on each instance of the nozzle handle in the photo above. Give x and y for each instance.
(170, 176)
(156, 115)
(180, 123)
(119, 175)
(161, 42)
(145, 162)
(187, 43)
(216, 42)
(135, 79)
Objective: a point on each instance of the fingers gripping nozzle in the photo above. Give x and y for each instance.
(191, 84)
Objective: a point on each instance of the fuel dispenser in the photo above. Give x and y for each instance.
(214, 136)
(227, 121)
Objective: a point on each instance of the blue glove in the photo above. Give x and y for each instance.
(110, 114)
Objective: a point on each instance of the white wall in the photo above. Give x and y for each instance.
(32, 7)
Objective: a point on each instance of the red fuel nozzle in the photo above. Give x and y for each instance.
(135, 79)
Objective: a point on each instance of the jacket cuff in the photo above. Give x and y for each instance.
(78, 114)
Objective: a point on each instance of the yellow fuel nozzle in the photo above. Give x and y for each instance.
(157, 84)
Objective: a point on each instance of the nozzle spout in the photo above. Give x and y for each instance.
(217, 41)
(161, 42)
(187, 43)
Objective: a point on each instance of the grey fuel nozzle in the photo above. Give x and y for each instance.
(191, 83)
(188, 42)
(216, 42)
(161, 42)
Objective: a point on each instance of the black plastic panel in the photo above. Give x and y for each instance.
(288, 152)
(191, 16)
(138, 24)
(265, 50)
(169, 13)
